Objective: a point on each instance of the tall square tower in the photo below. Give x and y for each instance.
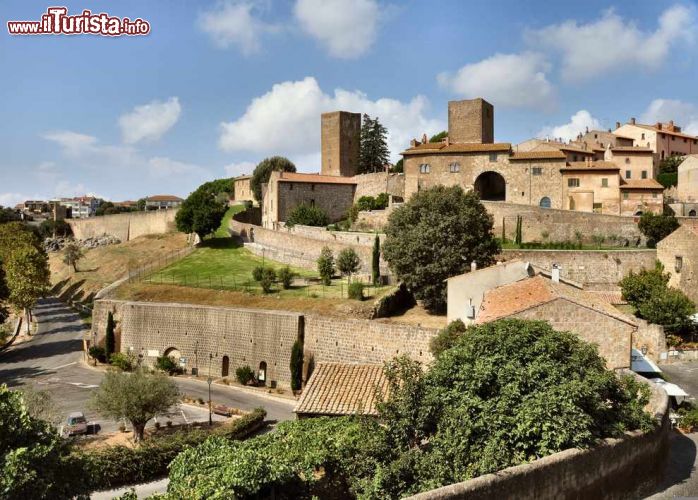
(471, 121)
(340, 136)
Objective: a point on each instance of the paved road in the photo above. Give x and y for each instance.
(681, 476)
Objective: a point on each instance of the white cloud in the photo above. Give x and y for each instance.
(347, 28)
(612, 43)
(684, 114)
(235, 169)
(12, 199)
(162, 167)
(510, 80)
(150, 121)
(72, 143)
(234, 22)
(286, 120)
(579, 122)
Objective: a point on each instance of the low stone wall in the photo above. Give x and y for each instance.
(126, 226)
(616, 469)
(595, 269)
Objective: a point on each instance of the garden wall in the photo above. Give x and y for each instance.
(126, 226)
(616, 469)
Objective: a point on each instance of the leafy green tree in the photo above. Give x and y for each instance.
(670, 308)
(27, 279)
(8, 215)
(136, 397)
(374, 153)
(366, 203)
(59, 228)
(436, 235)
(639, 287)
(267, 279)
(399, 167)
(201, 212)
(348, 262)
(376, 260)
(447, 337)
(657, 227)
(439, 137)
(286, 275)
(382, 201)
(325, 265)
(14, 236)
(296, 365)
(72, 254)
(109, 338)
(140, 204)
(263, 171)
(307, 215)
(670, 164)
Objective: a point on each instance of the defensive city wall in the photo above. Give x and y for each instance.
(236, 337)
(126, 226)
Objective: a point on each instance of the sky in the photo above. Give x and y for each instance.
(217, 86)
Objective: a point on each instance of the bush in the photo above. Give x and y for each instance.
(356, 290)
(244, 374)
(168, 365)
(668, 179)
(307, 215)
(122, 361)
(375, 260)
(348, 261)
(657, 227)
(447, 337)
(286, 276)
(688, 418)
(382, 201)
(268, 278)
(61, 228)
(97, 352)
(366, 203)
(325, 266)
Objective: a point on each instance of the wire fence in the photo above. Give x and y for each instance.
(145, 270)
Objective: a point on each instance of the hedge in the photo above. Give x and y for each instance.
(118, 466)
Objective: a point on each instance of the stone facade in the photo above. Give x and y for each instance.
(664, 139)
(637, 201)
(380, 182)
(471, 120)
(687, 187)
(242, 188)
(126, 226)
(591, 189)
(678, 252)
(340, 137)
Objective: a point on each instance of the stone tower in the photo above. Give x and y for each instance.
(470, 121)
(340, 135)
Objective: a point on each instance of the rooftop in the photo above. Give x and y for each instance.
(163, 197)
(314, 178)
(663, 130)
(632, 149)
(342, 389)
(442, 148)
(593, 165)
(640, 184)
(538, 155)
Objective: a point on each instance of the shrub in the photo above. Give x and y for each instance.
(268, 278)
(122, 361)
(447, 337)
(168, 365)
(366, 203)
(97, 352)
(257, 273)
(296, 365)
(348, 261)
(688, 418)
(657, 227)
(307, 215)
(244, 374)
(286, 276)
(356, 290)
(325, 265)
(382, 201)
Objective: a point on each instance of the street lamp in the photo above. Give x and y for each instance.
(209, 380)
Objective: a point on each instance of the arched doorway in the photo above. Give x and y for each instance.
(225, 368)
(262, 374)
(638, 213)
(691, 213)
(491, 186)
(173, 352)
(544, 202)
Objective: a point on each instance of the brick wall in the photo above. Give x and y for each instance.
(125, 226)
(595, 269)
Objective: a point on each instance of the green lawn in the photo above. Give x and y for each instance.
(222, 231)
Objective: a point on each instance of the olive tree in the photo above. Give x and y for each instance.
(72, 253)
(136, 397)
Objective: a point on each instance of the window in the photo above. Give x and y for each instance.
(596, 136)
(662, 155)
(654, 195)
(604, 182)
(290, 186)
(493, 156)
(312, 187)
(574, 157)
(544, 202)
(625, 195)
(312, 203)
(692, 213)
(627, 160)
(598, 208)
(573, 182)
(673, 138)
(537, 170)
(644, 174)
(643, 136)
(685, 140)
(454, 168)
(424, 168)
(628, 174)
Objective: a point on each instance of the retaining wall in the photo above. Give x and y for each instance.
(126, 226)
(616, 469)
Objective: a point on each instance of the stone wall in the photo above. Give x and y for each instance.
(595, 269)
(681, 248)
(615, 469)
(126, 226)
(379, 182)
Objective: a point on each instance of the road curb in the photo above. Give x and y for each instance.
(271, 397)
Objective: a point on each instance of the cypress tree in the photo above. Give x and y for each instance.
(110, 341)
(375, 262)
(296, 365)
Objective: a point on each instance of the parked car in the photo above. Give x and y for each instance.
(75, 424)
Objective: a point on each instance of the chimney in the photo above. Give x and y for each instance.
(424, 139)
(473, 266)
(555, 274)
(587, 130)
(617, 125)
(413, 142)
(659, 125)
(632, 121)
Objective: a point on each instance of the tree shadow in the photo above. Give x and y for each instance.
(680, 463)
(222, 243)
(30, 351)
(15, 377)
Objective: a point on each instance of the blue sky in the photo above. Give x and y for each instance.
(217, 86)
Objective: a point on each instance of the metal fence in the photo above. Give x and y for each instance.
(142, 272)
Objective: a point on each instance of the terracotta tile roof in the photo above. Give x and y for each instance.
(314, 178)
(664, 131)
(516, 297)
(242, 177)
(612, 297)
(632, 149)
(594, 165)
(429, 145)
(163, 197)
(640, 184)
(459, 148)
(573, 148)
(538, 155)
(342, 389)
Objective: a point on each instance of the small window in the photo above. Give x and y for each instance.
(691, 213)
(493, 156)
(598, 208)
(685, 140)
(537, 170)
(544, 202)
(604, 182)
(628, 174)
(654, 195)
(573, 182)
(312, 187)
(424, 168)
(596, 136)
(574, 157)
(643, 137)
(625, 195)
(644, 174)
(454, 168)
(627, 160)
(290, 186)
